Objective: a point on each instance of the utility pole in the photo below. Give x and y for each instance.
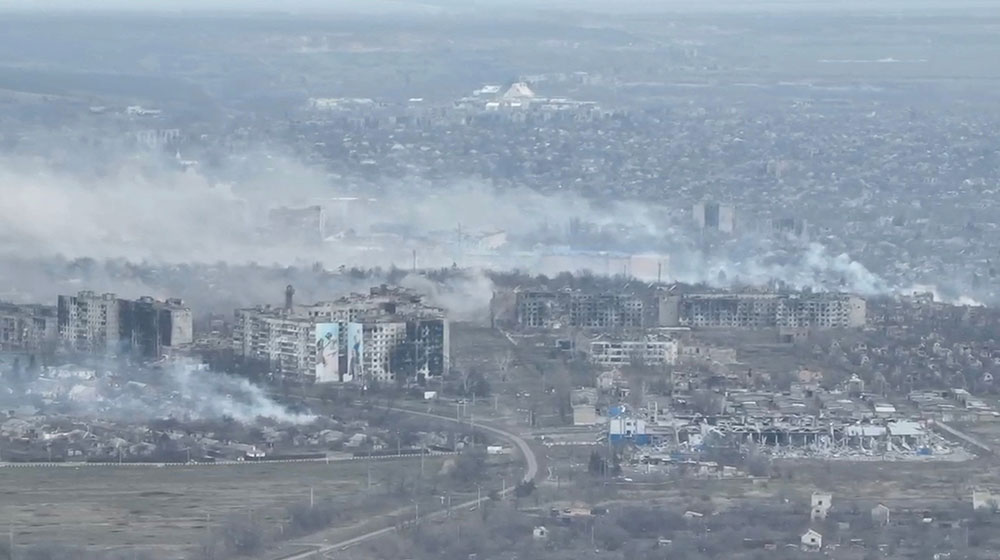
(312, 498)
(422, 450)
(416, 513)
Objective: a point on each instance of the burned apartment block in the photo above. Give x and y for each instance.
(27, 328)
(387, 336)
(104, 324)
(555, 309)
(763, 310)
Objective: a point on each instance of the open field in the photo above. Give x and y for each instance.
(168, 509)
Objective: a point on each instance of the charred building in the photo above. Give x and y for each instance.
(763, 310)
(104, 324)
(547, 309)
(149, 327)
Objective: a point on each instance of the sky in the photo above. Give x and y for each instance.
(431, 6)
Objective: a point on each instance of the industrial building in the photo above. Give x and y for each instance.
(763, 310)
(104, 324)
(388, 335)
(27, 328)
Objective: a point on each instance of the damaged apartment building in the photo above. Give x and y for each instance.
(557, 309)
(105, 324)
(763, 310)
(534, 309)
(388, 335)
(27, 328)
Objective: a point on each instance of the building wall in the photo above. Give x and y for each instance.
(625, 352)
(89, 322)
(27, 328)
(541, 309)
(400, 338)
(822, 311)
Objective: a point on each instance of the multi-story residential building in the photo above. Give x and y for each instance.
(27, 328)
(651, 350)
(148, 327)
(388, 335)
(546, 309)
(763, 310)
(88, 322)
(104, 324)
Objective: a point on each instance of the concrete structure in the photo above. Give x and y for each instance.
(820, 504)
(88, 323)
(762, 310)
(549, 309)
(27, 328)
(387, 335)
(149, 327)
(651, 350)
(714, 216)
(104, 324)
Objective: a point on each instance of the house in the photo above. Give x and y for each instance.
(540, 532)
(812, 540)
(880, 515)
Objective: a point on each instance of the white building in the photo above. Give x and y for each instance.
(373, 337)
(649, 351)
(88, 322)
(812, 540)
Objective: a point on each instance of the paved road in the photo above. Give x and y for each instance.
(530, 472)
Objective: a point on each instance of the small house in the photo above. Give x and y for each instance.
(880, 515)
(812, 540)
(540, 532)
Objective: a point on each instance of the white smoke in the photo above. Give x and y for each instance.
(181, 390)
(210, 395)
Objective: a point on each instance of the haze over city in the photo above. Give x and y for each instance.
(499, 279)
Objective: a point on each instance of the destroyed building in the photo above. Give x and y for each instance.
(553, 309)
(104, 324)
(763, 310)
(387, 335)
(649, 350)
(27, 328)
(560, 309)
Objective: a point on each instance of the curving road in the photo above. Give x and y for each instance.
(530, 472)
